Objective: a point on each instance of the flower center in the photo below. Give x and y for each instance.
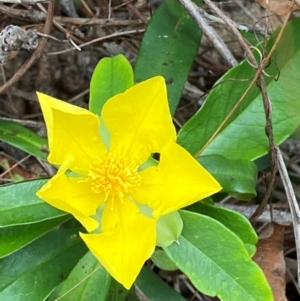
(114, 176)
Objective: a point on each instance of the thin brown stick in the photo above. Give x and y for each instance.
(135, 11)
(209, 32)
(69, 36)
(36, 54)
(100, 39)
(15, 165)
(39, 16)
(90, 12)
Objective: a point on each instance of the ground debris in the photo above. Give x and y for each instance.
(13, 38)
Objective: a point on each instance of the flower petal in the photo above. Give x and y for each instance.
(178, 181)
(124, 249)
(72, 195)
(139, 119)
(71, 130)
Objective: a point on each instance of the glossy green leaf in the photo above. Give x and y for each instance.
(111, 76)
(243, 136)
(233, 220)
(161, 260)
(16, 237)
(21, 137)
(168, 228)
(217, 262)
(237, 177)
(151, 288)
(88, 281)
(31, 273)
(117, 292)
(19, 204)
(169, 46)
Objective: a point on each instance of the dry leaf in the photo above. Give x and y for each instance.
(270, 258)
(279, 7)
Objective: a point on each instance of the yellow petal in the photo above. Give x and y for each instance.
(71, 131)
(178, 181)
(124, 249)
(139, 119)
(72, 195)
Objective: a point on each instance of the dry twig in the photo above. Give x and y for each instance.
(209, 32)
(294, 207)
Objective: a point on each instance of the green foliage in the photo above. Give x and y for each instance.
(16, 237)
(21, 137)
(232, 220)
(153, 288)
(19, 204)
(84, 282)
(162, 261)
(111, 76)
(243, 135)
(34, 271)
(118, 293)
(237, 177)
(218, 263)
(168, 228)
(169, 47)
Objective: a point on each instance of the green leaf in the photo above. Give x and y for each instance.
(237, 177)
(216, 261)
(21, 137)
(234, 221)
(243, 136)
(169, 47)
(19, 204)
(117, 292)
(162, 261)
(168, 228)
(16, 237)
(111, 76)
(88, 281)
(34, 271)
(151, 288)
(252, 37)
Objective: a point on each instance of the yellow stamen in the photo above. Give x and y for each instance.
(115, 176)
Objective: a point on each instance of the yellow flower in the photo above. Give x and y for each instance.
(104, 182)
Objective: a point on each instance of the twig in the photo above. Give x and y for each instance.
(38, 16)
(36, 54)
(90, 12)
(295, 212)
(232, 26)
(209, 32)
(14, 166)
(31, 2)
(280, 217)
(117, 34)
(221, 21)
(135, 11)
(68, 35)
